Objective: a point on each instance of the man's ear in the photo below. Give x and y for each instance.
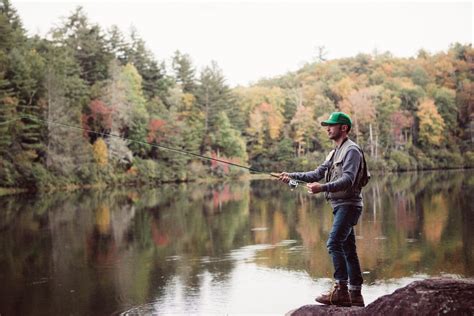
(344, 128)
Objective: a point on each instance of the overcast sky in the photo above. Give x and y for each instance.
(255, 39)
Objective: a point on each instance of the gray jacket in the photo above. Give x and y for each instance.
(342, 182)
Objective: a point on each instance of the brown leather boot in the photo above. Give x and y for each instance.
(356, 298)
(339, 296)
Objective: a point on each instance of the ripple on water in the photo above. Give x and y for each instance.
(259, 229)
(286, 242)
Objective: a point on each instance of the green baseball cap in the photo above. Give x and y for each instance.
(337, 118)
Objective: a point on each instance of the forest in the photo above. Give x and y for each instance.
(412, 113)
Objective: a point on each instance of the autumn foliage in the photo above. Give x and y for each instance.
(157, 130)
(99, 118)
(100, 152)
(407, 113)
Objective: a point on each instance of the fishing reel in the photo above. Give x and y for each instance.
(293, 184)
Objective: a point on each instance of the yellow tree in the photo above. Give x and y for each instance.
(267, 120)
(431, 123)
(101, 154)
(303, 124)
(444, 70)
(265, 125)
(250, 98)
(343, 88)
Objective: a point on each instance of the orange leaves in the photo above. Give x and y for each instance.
(101, 113)
(157, 130)
(100, 117)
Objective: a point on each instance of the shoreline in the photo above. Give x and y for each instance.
(4, 191)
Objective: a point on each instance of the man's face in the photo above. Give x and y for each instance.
(334, 131)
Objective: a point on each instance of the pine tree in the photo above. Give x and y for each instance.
(213, 97)
(11, 28)
(7, 118)
(88, 43)
(117, 45)
(184, 72)
(11, 33)
(7, 101)
(21, 73)
(228, 141)
(155, 82)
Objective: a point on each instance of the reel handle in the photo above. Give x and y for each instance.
(293, 184)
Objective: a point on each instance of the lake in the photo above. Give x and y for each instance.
(223, 248)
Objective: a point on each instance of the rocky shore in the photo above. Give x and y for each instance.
(427, 297)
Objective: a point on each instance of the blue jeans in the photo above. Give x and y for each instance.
(342, 247)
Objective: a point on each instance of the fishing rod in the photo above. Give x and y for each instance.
(293, 183)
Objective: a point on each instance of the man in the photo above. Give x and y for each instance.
(345, 173)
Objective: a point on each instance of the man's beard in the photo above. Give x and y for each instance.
(335, 135)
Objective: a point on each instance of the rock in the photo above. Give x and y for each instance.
(309, 310)
(427, 297)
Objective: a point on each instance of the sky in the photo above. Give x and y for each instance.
(251, 40)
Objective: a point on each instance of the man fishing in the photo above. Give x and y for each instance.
(345, 172)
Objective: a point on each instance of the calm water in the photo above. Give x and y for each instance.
(241, 247)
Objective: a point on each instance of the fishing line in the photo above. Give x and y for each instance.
(293, 183)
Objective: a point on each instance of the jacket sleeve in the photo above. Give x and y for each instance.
(312, 176)
(350, 167)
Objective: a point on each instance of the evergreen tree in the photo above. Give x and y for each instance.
(155, 82)
(226, 140)
(27, 81)
(117, 45)
(7, 102)
(184, 71)
(88, 43)
(7, 118)
(213, 97)
(11, 28)
(21, 74)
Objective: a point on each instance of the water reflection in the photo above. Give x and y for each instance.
(222, 248)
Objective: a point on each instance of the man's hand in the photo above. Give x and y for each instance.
(284, 177)
(314, 188)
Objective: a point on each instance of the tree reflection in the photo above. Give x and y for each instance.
(98, 252)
